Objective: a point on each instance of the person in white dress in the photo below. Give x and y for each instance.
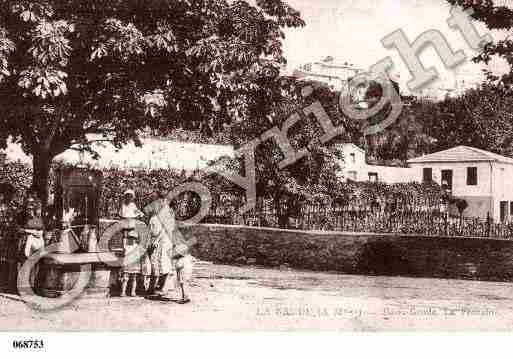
(160, 246)
(33, 230)
(134, 265)
(128, 208)
(131, 213)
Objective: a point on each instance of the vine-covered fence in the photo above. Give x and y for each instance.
(345, 219)
(357, 207)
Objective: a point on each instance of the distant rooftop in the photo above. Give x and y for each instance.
(330, 62)
(462, 154)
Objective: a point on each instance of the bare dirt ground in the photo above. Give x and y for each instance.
(233, 298)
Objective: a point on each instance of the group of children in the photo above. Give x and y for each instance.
(153, 254)
(152, 249)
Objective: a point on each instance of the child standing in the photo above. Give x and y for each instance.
(129, 209)
(131, 213)
(31, 240)
(133, 266)
(182, 263)
(34, 241)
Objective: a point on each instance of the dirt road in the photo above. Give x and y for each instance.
(233, 298)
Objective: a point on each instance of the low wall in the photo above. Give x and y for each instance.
(356, 253)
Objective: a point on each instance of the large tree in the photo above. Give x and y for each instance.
(314, 177)
(406, 138)
(70, 69)
(403, 139)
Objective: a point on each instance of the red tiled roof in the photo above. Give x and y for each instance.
(462, 154)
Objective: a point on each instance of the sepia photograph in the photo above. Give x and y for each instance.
(255, 166)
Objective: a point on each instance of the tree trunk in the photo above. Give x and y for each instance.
(41, 175)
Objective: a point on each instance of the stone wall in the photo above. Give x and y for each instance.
(357, 253)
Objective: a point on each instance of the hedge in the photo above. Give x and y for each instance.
(143, 182)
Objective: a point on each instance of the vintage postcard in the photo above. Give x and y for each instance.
(258, 165)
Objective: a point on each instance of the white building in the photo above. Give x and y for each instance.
(154, 153)
(355, 168)
(484, 179)
(330, 72)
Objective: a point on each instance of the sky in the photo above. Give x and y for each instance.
(351, 30)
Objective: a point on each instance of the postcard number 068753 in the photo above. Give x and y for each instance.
(28, 344)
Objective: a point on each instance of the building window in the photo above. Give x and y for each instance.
(447, 180)
(353, 158)
(373, 177)
(427, 175)
(471, 176)
(503, 211)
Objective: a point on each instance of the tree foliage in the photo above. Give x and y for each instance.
(481, 118)
(69, 69)
(496, 16)
(311, 178)
(407, 138)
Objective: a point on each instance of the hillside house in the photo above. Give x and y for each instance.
(333, 73)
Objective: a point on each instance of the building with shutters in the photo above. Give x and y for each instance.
(484, 179)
